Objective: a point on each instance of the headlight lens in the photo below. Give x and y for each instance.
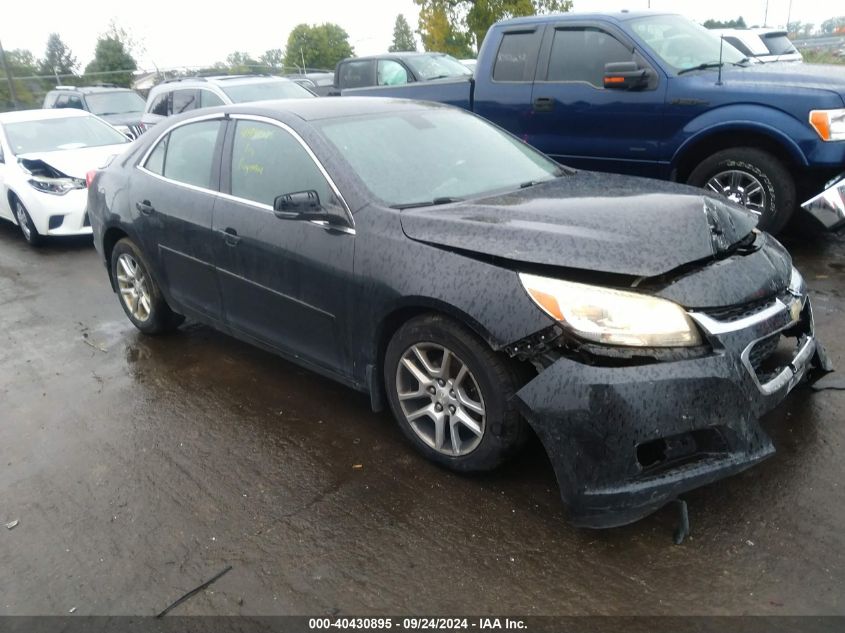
(829, 124)
(613, 317)
(56, 186)
(796, 282)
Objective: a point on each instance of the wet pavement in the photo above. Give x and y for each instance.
(139, 467)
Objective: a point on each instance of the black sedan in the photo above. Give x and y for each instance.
(480, 290)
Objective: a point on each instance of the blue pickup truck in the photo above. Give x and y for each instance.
(657, 95)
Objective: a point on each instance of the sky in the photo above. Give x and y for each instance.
(185, 33)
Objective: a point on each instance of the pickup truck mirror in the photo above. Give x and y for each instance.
(626, 76)
(299, 205)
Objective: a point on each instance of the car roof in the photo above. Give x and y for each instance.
(335, 108)
(90, 89)
(229, 80)
(619, 16)
(397, 55)
(18, 116)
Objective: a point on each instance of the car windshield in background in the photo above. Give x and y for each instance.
(105, 103)
(265, 90)
(415, 158)
(682, 44)
(427, 67)
(51, 135)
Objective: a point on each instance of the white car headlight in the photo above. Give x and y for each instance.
(829, 124)
(56, 186)
(613, 317)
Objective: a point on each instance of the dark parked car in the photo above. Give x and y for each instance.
(397, 69)
(417, 253)
(320, 83)
(120, 107)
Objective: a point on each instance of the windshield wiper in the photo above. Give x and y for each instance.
(429, 203)
(704, 66)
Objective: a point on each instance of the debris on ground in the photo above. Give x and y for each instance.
(831, 381)
(195, 591)
(72, 610)
(357, 466)
(11, 525)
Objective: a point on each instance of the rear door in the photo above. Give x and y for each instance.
(173, 197)
(579, 122)
(286, 283)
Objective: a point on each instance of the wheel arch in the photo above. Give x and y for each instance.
(715, 139)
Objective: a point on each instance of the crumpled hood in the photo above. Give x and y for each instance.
(74, 162)
(783, 75)
(589, 221)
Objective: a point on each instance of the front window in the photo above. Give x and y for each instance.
(428, 67)
(682, 44)
(123, 102)
(265, 90)
(568, 62)
(391, 73)
(406, 158)
(51, 135)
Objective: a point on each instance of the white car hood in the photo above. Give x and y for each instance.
(77, 162)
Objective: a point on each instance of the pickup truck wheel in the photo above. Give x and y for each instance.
(139, 294)
(452, 395)
(752, 178)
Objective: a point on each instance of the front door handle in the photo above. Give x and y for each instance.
(231, 236)
(144, 207)
(543, 104)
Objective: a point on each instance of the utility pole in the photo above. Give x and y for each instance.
(789, 15)
(9, 78)
(766, 14)
(302, 56)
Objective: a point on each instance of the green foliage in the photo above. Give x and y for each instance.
(800, 29)
(458, 26)
(833, 25)
(273, 60)
(29, 89)
(403, 36)
(822, 57)
(58, 58)
(739, 23)
(318, 46)
(113, 62)
(240, 63)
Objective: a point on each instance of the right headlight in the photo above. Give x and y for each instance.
(612, 317)
(829, 124)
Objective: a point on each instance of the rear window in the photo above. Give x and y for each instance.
(778, 44)
(517, 57)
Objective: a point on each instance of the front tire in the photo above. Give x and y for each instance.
(138, 293)
(27, 227)
(452, 396)
(752, 178)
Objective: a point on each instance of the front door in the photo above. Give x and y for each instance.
(286, 283)
(579, 122)
(173, 199)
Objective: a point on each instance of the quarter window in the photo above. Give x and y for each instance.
(517, 57)
(391, 73)
(189, 154)
(267, 162)
(155, 163)
(569, 62)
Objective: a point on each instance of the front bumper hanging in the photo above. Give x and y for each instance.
(626, 440)
(829, 206)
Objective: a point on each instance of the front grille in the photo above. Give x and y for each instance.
(135, 129)
(739, 312)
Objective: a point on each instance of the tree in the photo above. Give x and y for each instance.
(273, 60)
(739, 23)
(833, 25)
(58, 58)
(239, 63)
(113, 61)
(403, 36)
(318, 46)
(28, 88)
(466, 22)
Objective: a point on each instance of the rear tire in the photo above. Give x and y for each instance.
(471, 399)
(28, 230)
(138, 293)
(753, 178)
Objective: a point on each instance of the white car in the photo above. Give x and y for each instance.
(45, 156)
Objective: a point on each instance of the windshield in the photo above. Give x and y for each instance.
(122, 102)
(50, 135)
(428, 67)
(407, 158)
(265, 90)
(682, 44)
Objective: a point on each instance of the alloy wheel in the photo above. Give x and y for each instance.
(132, 282)
(23, 221)
(441, 399)
(740, 187)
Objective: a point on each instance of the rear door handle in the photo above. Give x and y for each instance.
(144, 207)
(231, 236)
(543, 104)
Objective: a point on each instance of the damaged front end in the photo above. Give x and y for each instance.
(45, 178)
(828, 207)
(628, 429)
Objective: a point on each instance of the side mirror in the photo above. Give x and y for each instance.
(626, 76)
(299, 205)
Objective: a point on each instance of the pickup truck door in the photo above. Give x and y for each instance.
(579, 122)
